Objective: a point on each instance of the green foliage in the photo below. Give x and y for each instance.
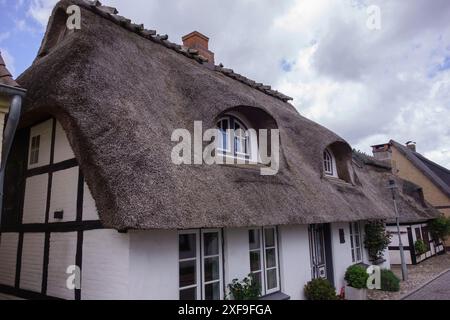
(247, 289)
(356, 276)
(389, 281)
(320, 289)
(376, 239)
(440, 228)
(420, 247)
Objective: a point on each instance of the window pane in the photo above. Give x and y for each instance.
(272, 279)
(187, 273)
(212, 269)
(358, 254)
(211, 243)
(255, 261)
(253, 237)
(270, 258)
(212, 291)
(270, 237)
(257, 278)
(357, 241)
(188, 294)
(188, 248)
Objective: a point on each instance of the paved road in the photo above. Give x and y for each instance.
(438, 289)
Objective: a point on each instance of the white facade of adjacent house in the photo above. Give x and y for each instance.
(60, 228)
(410, 233)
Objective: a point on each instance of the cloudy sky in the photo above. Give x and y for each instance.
(366, 83)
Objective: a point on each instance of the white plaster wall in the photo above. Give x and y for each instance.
(404, 235)
(63, 150)
(89, 208)
(45, 131)
(342, 254)
(8, 258)
(154, 265)
(64, 194)
(62, 254)
(394, 257)
(105, 267)
(32, 261)
(236, 254)
(35, 200)
(295, 264)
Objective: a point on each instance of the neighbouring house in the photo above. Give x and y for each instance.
(90, 181)
(431, 179)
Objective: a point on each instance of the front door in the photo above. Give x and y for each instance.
(318, 251)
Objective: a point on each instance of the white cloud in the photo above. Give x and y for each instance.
(40, 10)
(368, 86)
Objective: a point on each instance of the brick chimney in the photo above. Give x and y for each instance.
(382, 151)
(411, 146)
(198, 41)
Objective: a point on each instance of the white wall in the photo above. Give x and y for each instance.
(35, 200)
(295, 261)
(8, 258)
(105, 268)
(64, 194)
(62, 255)
(45, 131)
(63, 151)
(32, 261)
(154, 265)
(342, 254)
(89, 207)
(236, 254)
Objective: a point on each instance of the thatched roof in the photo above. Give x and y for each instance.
(5, 75)
(119, 94)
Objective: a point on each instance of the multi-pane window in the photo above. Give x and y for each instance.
(355, 242)
(34, 149)
(200, 265)
(234, 138)
(264, 259)
(328, 163)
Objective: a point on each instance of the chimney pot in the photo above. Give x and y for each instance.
(197, 41)
(411, 146)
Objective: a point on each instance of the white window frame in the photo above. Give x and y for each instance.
(34, 149)
(244, 137)
(329, 163)
(200, 265)
(263, 261)
(353, 237)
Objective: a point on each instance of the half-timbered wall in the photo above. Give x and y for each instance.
(56, 225)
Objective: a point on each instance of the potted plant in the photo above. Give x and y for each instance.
(376, 241)
(247, 289)
(420, 248)
(356, 288)
(320, 289)
(389, 281)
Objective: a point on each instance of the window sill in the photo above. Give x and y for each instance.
(275, 296)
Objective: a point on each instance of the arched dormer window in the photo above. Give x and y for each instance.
(329, 164)
(234, 137)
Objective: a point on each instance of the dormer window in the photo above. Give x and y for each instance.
(234, 138)
(329, 164)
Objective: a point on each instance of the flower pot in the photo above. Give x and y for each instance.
(355, 294)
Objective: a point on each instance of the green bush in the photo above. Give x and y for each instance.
(247, 289)
(376, 239)
(356, 276)
(440, 228)
(420, 247)
(389, 281)
(320, 289)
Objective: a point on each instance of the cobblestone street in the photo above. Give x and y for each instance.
(438, 289)
(417, 276)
